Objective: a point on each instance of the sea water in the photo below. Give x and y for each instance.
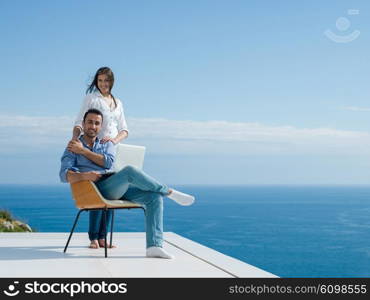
(290, 231)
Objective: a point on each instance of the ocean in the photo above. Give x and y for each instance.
(290, 231)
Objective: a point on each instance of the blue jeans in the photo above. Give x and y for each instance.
(134, 185)
(96, 228)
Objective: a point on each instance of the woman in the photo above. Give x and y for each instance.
(99, 96)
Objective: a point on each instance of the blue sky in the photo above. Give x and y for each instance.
(220, 92)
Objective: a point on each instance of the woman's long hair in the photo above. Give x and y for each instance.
(94, 84)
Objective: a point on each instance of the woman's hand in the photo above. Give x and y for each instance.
(77, 130)
(120, 136)
(107, 139)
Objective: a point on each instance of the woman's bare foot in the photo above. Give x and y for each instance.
(102, 244)
(94, 244)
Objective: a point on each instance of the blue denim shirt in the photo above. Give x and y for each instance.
(79, 163)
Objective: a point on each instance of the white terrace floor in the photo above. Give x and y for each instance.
(41, 255)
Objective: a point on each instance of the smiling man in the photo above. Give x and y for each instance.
(88, 159)
(92, 157)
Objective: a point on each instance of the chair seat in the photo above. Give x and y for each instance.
(120, 204)
(87, 196)
(110, 204)
(123, 203)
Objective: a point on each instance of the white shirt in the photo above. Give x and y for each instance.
(113, 120)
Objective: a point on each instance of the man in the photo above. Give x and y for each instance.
(88, 159)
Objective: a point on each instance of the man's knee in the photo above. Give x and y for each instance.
(155, 198)
(130, 169)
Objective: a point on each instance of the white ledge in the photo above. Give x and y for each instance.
(41, 255)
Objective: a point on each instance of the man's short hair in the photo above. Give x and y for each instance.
(93, 111)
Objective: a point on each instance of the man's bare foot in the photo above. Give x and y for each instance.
(94, 244)
(102, 244)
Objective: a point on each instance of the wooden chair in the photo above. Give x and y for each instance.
(87, 196)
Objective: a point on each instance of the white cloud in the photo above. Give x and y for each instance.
(164, 136)
(20, 133)
(355, 108)
(171, 136)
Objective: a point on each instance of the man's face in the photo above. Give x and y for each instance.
(92, 125)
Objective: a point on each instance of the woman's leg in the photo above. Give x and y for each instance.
(94, 224)
(101, 236)
(96, 228)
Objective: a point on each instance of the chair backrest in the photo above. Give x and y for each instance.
(129, 155)
(86, 195)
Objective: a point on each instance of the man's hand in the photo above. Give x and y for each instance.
(75, 147)
(93, 176)
(73, 177)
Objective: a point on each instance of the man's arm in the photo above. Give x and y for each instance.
(94, 157)
(103, 160)
(68, 162)
(69, 173)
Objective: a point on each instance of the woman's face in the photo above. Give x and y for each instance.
(103, 84)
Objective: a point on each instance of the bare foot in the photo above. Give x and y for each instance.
(102, 244)
(94, 244)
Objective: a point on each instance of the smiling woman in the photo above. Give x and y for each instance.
(113, 129)
(99, 96)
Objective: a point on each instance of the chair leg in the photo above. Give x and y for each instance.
(105, 221)
(111, 229)
(73, 228)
